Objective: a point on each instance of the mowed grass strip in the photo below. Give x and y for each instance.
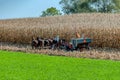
(25, 66)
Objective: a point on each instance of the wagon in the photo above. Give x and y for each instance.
(81, 43)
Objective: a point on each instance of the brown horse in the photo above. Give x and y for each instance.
(37, 43)
(34, 43)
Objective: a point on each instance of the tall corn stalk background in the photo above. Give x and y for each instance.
(104, 29)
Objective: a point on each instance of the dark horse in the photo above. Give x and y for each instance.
(60, 44)
(40, 42)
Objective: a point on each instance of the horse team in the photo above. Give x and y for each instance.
(53, 43)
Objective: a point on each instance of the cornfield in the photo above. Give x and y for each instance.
(104, 29)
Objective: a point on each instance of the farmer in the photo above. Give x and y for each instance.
(57, 38)
(77, 35)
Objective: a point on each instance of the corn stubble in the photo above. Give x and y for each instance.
(94, 53)
(104, 29)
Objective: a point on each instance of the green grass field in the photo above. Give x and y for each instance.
(25, 66)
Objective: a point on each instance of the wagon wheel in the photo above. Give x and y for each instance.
(82, 47)
(88, 47)
(78, 48)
